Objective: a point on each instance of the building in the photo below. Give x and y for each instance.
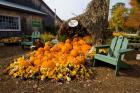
(22, 16)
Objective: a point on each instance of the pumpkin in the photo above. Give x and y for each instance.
(63, 62)
(68, 46)
(47, 47)
(37, 62)
(74, 53)
(44, 58)
(60, 44)
(75, 43)
(56, 48)
(48, 64)
(85, 48)
(32, 59)
(46, 53)
(75, 62)
(81, 42)
(24, 63)
(70, 58)
(75, 39)
(80, 59)
(63, 49)
(67, 41)
(76, 47)
(40, 50)
(50, 56)
(37, 53)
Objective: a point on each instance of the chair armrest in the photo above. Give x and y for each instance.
(122, 51)
(102, 46)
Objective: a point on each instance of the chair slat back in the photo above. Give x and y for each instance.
(117, 44)
(112, 47)
(124, 43)
(35, 34)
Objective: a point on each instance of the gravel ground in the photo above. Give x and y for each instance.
(105, 80)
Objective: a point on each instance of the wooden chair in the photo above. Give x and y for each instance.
(28, 40)
(115, 53)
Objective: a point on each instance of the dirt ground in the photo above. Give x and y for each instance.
(105, 80)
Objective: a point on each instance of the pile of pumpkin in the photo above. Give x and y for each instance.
(63, 61)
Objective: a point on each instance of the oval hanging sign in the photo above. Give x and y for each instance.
(73, 23)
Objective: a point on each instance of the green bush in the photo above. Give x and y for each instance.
(46, 37)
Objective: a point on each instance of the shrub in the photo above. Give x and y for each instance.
(46, 37)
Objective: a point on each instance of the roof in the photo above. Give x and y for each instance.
(51, 10)
(20, 7)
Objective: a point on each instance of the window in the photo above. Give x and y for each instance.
(9, 23)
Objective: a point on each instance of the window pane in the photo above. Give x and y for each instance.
(9, 23)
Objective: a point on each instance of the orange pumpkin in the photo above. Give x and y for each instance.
(60, 44)
(67, 41)
(44, 59)
(81, 42)
(47, 47)
(48, 64)
(40, 50)
(70, 58)
(80, 59)
(74, 53)
(63, 49)
(49, 56)
(46, 53)
(24, 63)
(39, 53)
(32, 59)
(40, 56)
(68, 46)
(75, 39)
(37, 62)
(76, 47)
(85, 48)
(56, 48)
(75, 43)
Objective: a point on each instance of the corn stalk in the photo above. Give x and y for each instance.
(94, 19)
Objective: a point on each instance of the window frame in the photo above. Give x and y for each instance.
(19, 23)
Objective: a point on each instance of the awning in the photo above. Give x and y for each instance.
(20, 7)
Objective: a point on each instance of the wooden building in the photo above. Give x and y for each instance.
(22, 16)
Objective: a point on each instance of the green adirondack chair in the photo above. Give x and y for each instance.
(34, 36)
(115, 53)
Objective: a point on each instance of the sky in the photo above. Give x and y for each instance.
(66, 9)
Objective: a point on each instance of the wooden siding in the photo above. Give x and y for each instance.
(26, 22)
(39, 5)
